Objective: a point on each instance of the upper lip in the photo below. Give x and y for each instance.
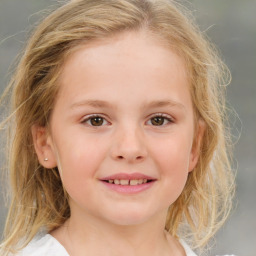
(128, 176)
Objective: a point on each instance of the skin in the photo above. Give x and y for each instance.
(127, 81)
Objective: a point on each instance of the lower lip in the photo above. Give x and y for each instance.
(129, 189)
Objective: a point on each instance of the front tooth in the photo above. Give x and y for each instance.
(117, 182)
(134, 182)
(124, 182)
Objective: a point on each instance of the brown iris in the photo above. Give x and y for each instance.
(157, 120)
(96, 121)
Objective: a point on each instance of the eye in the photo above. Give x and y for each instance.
(160, 120)
(95, 120)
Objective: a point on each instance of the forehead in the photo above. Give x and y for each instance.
(136, 45)
(121, 62)
(123, 41)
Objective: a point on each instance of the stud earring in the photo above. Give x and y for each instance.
(46, 159)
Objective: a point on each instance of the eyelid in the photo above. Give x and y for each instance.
(166, 116)
(88, 117)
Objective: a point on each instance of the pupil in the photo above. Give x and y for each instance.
(97, 121)
(158, 120)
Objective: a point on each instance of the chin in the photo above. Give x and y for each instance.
(129, 217)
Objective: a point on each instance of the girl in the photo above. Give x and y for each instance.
(118, 138)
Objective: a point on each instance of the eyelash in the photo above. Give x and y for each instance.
(166, 117)
(90, 118)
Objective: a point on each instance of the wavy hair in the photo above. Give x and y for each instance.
(38, 198)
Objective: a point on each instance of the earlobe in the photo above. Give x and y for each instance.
(196, 149)
(43, 146)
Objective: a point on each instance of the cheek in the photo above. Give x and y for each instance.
(173, 151)
(78, 161)
(80, 152)
(172, 160)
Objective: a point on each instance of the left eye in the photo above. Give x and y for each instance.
(160, 120)
(95, 121)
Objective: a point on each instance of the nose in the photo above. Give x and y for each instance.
(129, 145)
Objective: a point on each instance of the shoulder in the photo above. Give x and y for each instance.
(187, 249)
(189, 252)
(43, 245)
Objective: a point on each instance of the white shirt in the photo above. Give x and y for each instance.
(47, 245)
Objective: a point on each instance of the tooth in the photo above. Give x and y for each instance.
(145, 180)
(111, 181)
(117, 182)
(140, 181)
(124, 182)
(133, 182)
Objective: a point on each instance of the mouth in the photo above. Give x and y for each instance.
(127, 182)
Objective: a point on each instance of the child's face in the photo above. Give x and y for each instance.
(123, 113)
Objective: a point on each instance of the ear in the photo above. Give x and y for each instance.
(196, 148)
(43, 146)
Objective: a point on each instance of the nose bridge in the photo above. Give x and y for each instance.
(129, 143)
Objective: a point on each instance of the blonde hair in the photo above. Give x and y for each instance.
(38, 198)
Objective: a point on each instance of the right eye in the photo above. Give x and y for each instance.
(95, 120)
(160, 120)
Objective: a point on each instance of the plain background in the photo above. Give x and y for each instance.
(231, 25)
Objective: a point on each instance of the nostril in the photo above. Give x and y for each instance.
(136, 158)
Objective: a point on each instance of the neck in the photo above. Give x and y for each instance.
(98, 237)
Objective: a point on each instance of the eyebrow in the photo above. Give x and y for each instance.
(93, 103)
(105, 104)
(164, 103)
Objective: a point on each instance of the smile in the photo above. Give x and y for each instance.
(128, 182)
(125, 183)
